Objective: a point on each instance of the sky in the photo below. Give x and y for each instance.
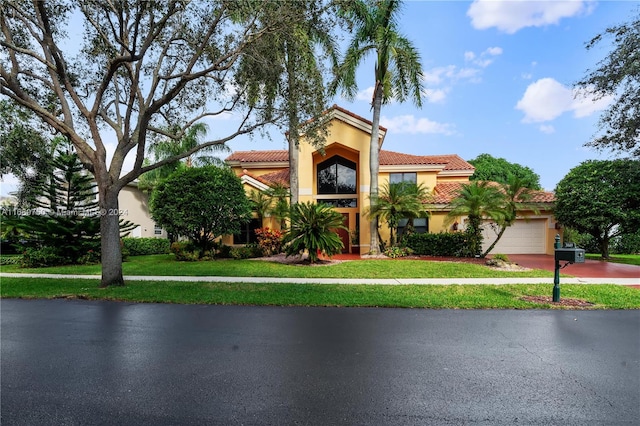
(498, 78)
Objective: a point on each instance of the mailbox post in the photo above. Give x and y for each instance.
(570, 254)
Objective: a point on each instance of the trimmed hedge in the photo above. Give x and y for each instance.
(442, 244)
(144, 246)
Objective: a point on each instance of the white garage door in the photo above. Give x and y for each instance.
(523, 237)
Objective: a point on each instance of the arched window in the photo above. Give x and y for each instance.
(337, 175)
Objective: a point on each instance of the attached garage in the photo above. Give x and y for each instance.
(523, 237)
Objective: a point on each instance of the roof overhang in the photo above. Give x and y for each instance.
(253, 182)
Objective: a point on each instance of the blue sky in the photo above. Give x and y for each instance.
(498, 79)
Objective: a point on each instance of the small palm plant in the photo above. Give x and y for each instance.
(313, 229)
(398, 201)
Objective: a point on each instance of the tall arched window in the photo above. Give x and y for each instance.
(337, 175)
(337, 182)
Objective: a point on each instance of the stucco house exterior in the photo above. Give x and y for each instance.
(339, 175)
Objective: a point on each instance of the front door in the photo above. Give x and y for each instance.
(344, 233)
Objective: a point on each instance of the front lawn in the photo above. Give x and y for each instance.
(165, 265)
(629, 259)
(405, 296)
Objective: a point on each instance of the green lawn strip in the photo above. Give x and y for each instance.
(405, 296)
(165, 265)
(629, 259)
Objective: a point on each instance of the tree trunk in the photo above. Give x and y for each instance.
(111, 252)
(483, 255)
(374, 166)
(294, 154)
(604, 247)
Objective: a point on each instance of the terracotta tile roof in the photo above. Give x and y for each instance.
(278, 155)
(451, 161)
(445, 192)
(387, 158)
(543, 197)
(270, 179)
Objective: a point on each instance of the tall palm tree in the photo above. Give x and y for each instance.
(477, 200)
(397, 201)
(398, 72)
(516, 197)
(287, 70)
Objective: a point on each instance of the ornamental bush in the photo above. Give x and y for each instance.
(145, 246)
(269, 240)
(441, 244)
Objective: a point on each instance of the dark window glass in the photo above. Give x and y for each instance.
(248, 233)
(403, 177)
(420, 225)
(337, 176)
(340, 202)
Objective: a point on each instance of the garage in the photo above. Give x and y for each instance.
(523, 237)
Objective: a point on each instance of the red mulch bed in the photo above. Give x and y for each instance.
(564, 302)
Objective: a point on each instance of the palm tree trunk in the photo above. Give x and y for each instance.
(374, 166)
(502, 229)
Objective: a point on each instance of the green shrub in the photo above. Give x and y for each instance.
(145, 246)
(442, 244)
(224, 251)
(240, 252)
(185, 251)
(500, 256)
(89, 258)
(626, 244)
(269, 240)
(10, 260)
(42, 257)
(395, 252)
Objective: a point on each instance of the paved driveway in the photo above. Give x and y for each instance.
(88, 363)
(588, 269)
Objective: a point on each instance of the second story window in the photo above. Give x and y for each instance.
(403, 177)
(337, 175)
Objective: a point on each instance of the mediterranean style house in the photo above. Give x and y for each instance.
(338, 175)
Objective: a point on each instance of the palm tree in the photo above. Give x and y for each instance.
(177, 145)
(516, 196)
(477, 200)
(398, 72)
(397, 201)
(279, 195)
(286, 66)
(313, 230)
(261, 203)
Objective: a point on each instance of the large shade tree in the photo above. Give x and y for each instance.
(215, 204)
(397, 73)
(617, 75)
(140, 67)
(601, 198)
(500, 170)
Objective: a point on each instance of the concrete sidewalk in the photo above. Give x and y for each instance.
(382, 281)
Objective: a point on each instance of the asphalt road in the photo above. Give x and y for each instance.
(100, 363)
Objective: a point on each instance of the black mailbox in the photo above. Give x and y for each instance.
(570, 254)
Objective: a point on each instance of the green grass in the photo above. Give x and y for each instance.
(165, 265)
(629, 259)
(406, 296)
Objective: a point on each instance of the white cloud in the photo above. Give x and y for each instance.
(435, 95)
(547, 99)
(469, 56)
(412, 125)
(365, 95)
(511, 16)
(546, 128)
(485, 58)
